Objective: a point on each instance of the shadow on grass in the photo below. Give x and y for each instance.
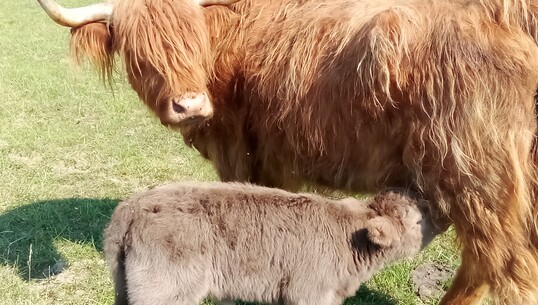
(364, 296)
(35, 227)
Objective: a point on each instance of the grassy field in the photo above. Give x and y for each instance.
(71, 149)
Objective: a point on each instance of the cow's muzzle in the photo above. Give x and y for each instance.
(188, 108)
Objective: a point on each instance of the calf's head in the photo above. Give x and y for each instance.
(400, 223)
(164, 45)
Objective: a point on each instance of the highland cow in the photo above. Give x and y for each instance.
(356, 95)
(180, 243)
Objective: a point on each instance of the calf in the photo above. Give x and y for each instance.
(180, 243)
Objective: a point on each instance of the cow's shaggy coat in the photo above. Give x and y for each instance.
(360, 95)
(179, 243)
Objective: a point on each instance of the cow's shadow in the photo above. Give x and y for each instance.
(29, 234)
(364, 296)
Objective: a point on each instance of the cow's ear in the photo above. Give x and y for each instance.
(381, 231)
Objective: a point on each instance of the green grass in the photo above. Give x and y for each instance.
(70, 149)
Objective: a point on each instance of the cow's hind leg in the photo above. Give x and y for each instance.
(466, 288)
(492, 218)
(499, 261)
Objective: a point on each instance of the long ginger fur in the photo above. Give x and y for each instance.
(360, 95)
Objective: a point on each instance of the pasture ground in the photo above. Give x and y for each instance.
(70, 149)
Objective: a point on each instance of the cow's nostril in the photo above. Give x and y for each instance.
(178, 108)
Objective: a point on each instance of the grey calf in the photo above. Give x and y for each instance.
(180, 243)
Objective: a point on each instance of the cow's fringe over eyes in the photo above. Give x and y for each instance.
(168, 38)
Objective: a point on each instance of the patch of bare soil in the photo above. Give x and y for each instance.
(429, 280)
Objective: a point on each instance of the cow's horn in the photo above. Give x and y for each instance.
(73, 17)
(216, 2)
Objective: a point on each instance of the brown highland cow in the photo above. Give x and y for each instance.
(179, 243)
(357, 95)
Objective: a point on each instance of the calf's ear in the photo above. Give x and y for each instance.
(381, 231)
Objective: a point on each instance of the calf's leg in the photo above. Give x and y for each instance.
(153, 280)
(328, 298)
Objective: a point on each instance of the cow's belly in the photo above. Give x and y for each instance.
(367, 167)
(356, 158)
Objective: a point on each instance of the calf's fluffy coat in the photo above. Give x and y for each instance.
(179, 243)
